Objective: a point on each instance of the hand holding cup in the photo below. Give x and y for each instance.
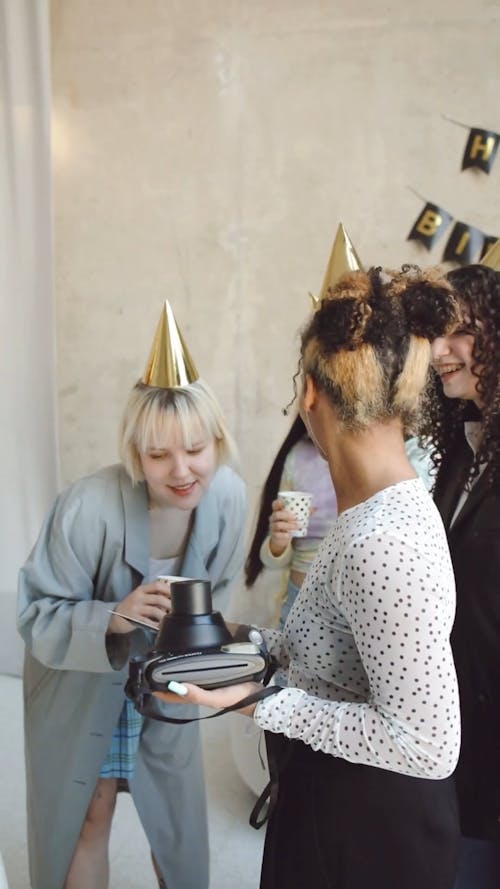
(289, 518)
(147, 603)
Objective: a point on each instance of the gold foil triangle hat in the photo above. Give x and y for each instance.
(492, 257)
(169, 365)
(343, 258)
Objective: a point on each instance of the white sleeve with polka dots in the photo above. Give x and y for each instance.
(398, 612)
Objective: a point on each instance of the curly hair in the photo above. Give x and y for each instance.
(477, 289)
(368, 344)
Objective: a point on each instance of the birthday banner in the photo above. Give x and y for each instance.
(465, 245)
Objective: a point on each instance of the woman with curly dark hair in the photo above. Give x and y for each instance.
(367, 730)
(464, 424)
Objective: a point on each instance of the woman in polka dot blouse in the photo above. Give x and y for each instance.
(368, 729)
(464, 421)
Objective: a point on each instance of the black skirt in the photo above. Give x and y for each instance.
(339, 825)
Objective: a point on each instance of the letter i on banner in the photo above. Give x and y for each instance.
(464, 244)
(430, 225)
(480, 150)
(492, 256)
(488, 243)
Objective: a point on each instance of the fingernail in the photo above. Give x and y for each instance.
(177, 688)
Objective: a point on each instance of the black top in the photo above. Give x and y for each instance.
(474, 540)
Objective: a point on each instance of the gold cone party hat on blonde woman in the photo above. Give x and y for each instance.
(343, 258)
(492, 257)
(169, 365)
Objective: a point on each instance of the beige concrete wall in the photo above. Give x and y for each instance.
(205, 150)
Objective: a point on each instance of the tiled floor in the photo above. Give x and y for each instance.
(235, 847)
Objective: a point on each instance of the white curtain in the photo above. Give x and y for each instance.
(28, 449)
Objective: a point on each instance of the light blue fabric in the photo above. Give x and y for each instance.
(120, 758)
(421, 460)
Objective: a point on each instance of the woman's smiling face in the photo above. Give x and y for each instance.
(178, 476)
(452, 359)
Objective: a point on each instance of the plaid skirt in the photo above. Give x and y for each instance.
(120, 758)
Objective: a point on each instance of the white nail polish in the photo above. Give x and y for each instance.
(177, 688)
(255, 636)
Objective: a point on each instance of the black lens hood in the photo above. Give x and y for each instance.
(191, 632)
(191, 625)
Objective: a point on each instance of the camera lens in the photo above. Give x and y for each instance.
(191, 597)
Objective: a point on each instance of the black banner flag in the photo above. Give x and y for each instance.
(430, 225)
(488, 242)
(481, 150)
(464, 244)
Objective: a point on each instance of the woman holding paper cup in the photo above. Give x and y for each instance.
(171, 507)
(280, 541)
(286, 539)
(367, 731)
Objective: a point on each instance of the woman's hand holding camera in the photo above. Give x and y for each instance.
(148, 603)
(217, 699)
(282, 523)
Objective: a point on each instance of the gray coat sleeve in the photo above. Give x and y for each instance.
(59, 618)
(229, 555)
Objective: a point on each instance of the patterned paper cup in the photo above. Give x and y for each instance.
(298, 502)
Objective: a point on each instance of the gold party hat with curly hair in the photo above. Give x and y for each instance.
(492, 257)
(170, 365)
(343, 258)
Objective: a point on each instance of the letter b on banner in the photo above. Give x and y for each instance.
(430, 225)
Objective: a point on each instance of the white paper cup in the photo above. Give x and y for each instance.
(298, 502)
(172, 578)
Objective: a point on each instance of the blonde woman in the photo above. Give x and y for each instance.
(172, 506)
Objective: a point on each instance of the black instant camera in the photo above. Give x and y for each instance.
(193, 644)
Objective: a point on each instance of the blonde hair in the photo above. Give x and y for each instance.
(149, 416)
(354, 380)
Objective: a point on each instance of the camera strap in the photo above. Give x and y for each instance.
(267, 799)
(145, 706)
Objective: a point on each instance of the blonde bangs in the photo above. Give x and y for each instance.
(153, 416)
(157, 425)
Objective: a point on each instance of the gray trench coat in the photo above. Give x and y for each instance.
(92, 551)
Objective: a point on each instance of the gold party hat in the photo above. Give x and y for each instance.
(169, 365)
(343, 258)
(492, 257)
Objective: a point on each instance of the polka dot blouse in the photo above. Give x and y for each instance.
(370, 670)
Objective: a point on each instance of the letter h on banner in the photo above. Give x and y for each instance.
(480, 150)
